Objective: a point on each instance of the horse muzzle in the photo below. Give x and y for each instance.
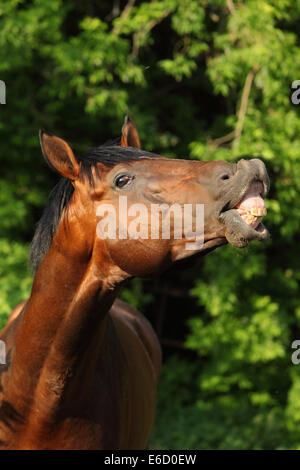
(243, 213)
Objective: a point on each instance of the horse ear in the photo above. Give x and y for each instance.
(59, 155)
(130, 136)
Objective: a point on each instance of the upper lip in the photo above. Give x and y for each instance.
(234, 201)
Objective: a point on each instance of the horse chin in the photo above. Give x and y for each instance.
(238, 233)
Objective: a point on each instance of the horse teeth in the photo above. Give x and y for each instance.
(257, 212)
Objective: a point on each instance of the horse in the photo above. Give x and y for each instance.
(82, 367)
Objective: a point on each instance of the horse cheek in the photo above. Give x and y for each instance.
(140, 257)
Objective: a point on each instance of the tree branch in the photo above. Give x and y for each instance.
(230, 6)
(237, 132)
(222, 140)
(243, 108)
(124, 15)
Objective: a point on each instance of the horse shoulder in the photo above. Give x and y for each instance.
(136, 321)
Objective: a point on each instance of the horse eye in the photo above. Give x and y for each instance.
(123, 180)
(225, 177)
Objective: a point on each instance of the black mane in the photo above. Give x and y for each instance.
(109, 155)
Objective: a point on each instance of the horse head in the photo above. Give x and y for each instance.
(119, 198)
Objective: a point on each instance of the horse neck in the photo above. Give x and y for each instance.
(61, 329)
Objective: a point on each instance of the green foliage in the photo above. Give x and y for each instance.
(200, 420)
(189, 72)
(15, 281)
(134, 294)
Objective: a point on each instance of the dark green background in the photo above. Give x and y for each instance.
(204, 80)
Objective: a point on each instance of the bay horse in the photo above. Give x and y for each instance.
(82, 366)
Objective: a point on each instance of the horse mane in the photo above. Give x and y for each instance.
(109, 154)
